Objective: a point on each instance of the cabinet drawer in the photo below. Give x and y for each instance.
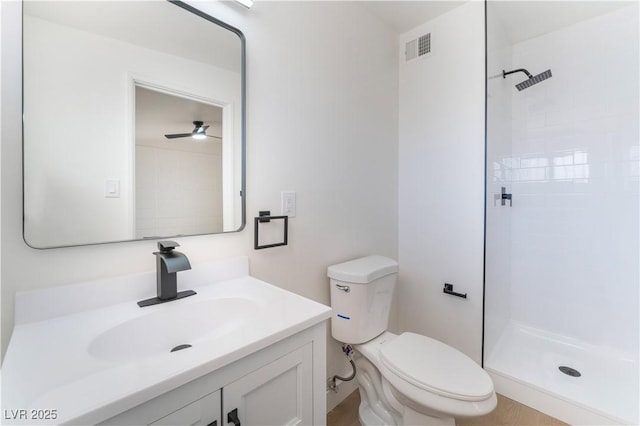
(203, 412)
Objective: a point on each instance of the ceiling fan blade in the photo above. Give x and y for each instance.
(215, 137)
(178, 135)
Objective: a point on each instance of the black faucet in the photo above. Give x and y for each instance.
(168, 264)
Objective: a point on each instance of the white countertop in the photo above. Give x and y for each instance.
(54, 363)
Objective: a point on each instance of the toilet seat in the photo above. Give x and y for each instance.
(440, 388)
(435, 367)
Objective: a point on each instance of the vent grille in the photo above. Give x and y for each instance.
(418, 47)
(424, 44)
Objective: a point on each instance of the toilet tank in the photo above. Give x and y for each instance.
(361, 296)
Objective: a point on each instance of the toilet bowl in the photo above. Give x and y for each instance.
(425, 379)
(405, 379)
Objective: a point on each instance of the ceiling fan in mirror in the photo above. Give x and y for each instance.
(199, 132)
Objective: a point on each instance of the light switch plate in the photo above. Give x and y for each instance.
(112, 188)
(288, 203)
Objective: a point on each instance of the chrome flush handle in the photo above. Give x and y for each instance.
(344, 288)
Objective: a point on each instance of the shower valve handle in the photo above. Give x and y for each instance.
(504, 197)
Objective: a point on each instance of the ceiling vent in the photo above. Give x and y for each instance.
(418, 48)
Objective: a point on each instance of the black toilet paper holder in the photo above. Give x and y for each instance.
(448, 288)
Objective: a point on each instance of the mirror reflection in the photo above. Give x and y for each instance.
(133, 123)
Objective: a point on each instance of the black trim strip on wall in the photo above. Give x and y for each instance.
(484, 248)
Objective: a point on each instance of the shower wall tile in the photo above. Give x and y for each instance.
(575, 167)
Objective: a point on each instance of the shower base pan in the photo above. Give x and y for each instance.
(570, 380)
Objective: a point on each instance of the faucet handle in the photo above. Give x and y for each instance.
(167, 246)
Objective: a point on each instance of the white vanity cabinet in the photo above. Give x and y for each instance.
(280, 393)
(205, 412)
(282, 384)
(91, 355)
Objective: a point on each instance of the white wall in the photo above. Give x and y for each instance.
(576, 168)
(441, 172)
(322, 102)
(66, 180)
(178, 191)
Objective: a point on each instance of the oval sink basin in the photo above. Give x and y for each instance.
(171, 326)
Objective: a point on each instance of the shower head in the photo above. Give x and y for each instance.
(533, 79)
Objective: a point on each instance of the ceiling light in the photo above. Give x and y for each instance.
(246, 3)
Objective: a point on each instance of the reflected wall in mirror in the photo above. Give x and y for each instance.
(104, 82)
(178, 175)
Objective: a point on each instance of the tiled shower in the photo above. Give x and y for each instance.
(562, 261)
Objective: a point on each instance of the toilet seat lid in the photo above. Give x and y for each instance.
(435, 367)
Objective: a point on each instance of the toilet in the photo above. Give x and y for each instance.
(405, 379)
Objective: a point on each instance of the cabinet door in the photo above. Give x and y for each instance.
(203, 412)
(280, 393)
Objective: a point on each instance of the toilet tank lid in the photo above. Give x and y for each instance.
(363, 270)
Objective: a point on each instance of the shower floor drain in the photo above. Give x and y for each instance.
(569, 371)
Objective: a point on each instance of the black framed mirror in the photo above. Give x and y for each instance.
(133, 122)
